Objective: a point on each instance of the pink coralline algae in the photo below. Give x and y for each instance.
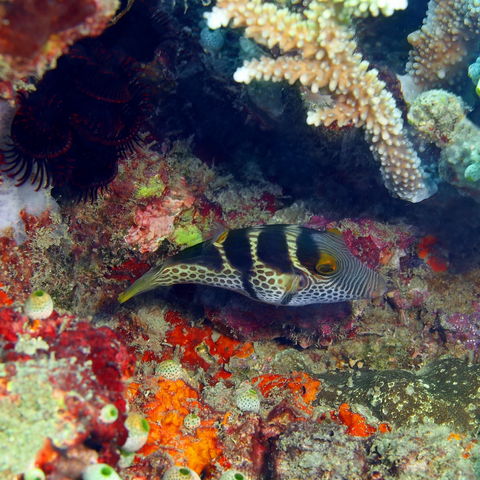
(376, 246)
(19, 261)
(373, 243)
(92, 362)
(155, 221)
(464, 327)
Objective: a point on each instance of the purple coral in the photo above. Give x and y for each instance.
(464, 327)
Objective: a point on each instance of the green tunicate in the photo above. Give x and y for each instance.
(233, 475)
(247, 399)
(170, 369)
(191, 421)
(472, 172)
(180, 473)
(34, 474)
(109, 413)
(474, 71)
(138, 429)
(100, 471)
(38, 305)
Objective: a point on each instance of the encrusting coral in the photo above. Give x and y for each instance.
(313, 450)
(440, 117)
(446, 391)
(319, 51)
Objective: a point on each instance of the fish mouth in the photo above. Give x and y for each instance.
(125, 295)
(143, 284)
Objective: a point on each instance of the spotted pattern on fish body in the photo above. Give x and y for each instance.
(277, 264)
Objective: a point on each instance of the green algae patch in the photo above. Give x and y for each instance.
(153, 188)
(187, 236)
(29, 414)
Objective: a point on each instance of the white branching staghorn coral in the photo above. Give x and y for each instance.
(441, 46)
(362, 8)
(322, 56)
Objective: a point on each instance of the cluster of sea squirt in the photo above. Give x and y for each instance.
(83, 116)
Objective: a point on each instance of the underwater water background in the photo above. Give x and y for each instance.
(141, 134)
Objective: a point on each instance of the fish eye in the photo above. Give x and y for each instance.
(326, 265)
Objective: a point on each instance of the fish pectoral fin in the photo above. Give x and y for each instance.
(293, 282)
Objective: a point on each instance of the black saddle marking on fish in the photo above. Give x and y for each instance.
(205, 254)
(248, 287)
(272, 249)
(307, 250)
(237, 250)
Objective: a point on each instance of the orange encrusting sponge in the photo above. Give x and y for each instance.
(302, 388)
(356, 424)
(174, 400)
(428, 250)
(5, 300)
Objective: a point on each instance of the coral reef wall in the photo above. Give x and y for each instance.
(180, 134)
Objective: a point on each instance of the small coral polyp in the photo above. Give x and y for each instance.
(38, 306)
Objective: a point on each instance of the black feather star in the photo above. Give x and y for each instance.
(82, 118)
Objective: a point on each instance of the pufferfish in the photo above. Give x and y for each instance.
(276, 264)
